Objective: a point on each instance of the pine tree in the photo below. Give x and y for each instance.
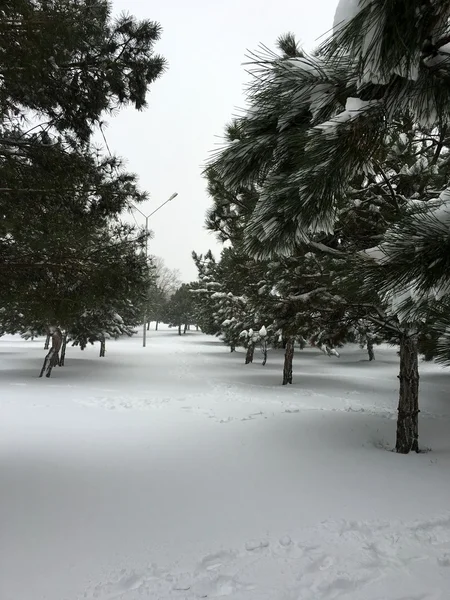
(65, 253)
(71, 61)
(179, 309)
(333, 178)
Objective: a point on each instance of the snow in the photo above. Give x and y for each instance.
(319, 97)
(346, 10)
(370, 49)
(353, 109)
(403, 139)
(177, 472)
(442, 57)
(307, 65)
(357, 105)
(399, 302)
(441, 212)
(376, 253)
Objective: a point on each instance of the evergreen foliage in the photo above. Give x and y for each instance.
(179, 309)
(67, 261)
(347, 149)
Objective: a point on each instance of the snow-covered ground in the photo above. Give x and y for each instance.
(177, 472)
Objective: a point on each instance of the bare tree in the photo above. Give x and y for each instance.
(167, 280)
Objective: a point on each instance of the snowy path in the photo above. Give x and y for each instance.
(178, 472)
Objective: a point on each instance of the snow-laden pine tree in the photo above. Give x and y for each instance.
(281, 294)
(316, 124)
(221, 305)
(203, 289)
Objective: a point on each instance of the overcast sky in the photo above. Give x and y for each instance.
(205, 43)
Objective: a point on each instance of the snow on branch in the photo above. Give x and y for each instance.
(306, 296)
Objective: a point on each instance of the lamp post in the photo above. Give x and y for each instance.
(147, 217)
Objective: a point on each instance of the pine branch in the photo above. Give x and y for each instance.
(389, 185)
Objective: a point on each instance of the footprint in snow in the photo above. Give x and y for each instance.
(213, 561)
(125, 582)
(444, 561)
(286, 548)
(218, 587)
(253, 545)
(320, 562)
(131, 582)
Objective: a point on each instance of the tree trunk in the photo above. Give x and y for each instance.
(232, 348)
(370, 351)
(52, 357)
(264, 353)
(185, 328)
(47, 342)
(408, 405)
(148, 326)
(102, 347)
(196, 328)
(156, 326)
(250, 352)
(179, 329)
(63, 350)
(284, 342)
(288, 357)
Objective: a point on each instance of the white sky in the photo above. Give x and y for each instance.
(205, 43)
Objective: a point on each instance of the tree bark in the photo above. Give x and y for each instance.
(284, 342)
(47, 342)
(370, 350)
(288, 358)
(179, 329)
(250, 352)
(102, 347)
(63, 350)
(185, 328)
(408, 405)
(52, 357)
(156, 326)
(148, 326)
(232, 348)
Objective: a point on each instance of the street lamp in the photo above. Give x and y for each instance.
(146, 217)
